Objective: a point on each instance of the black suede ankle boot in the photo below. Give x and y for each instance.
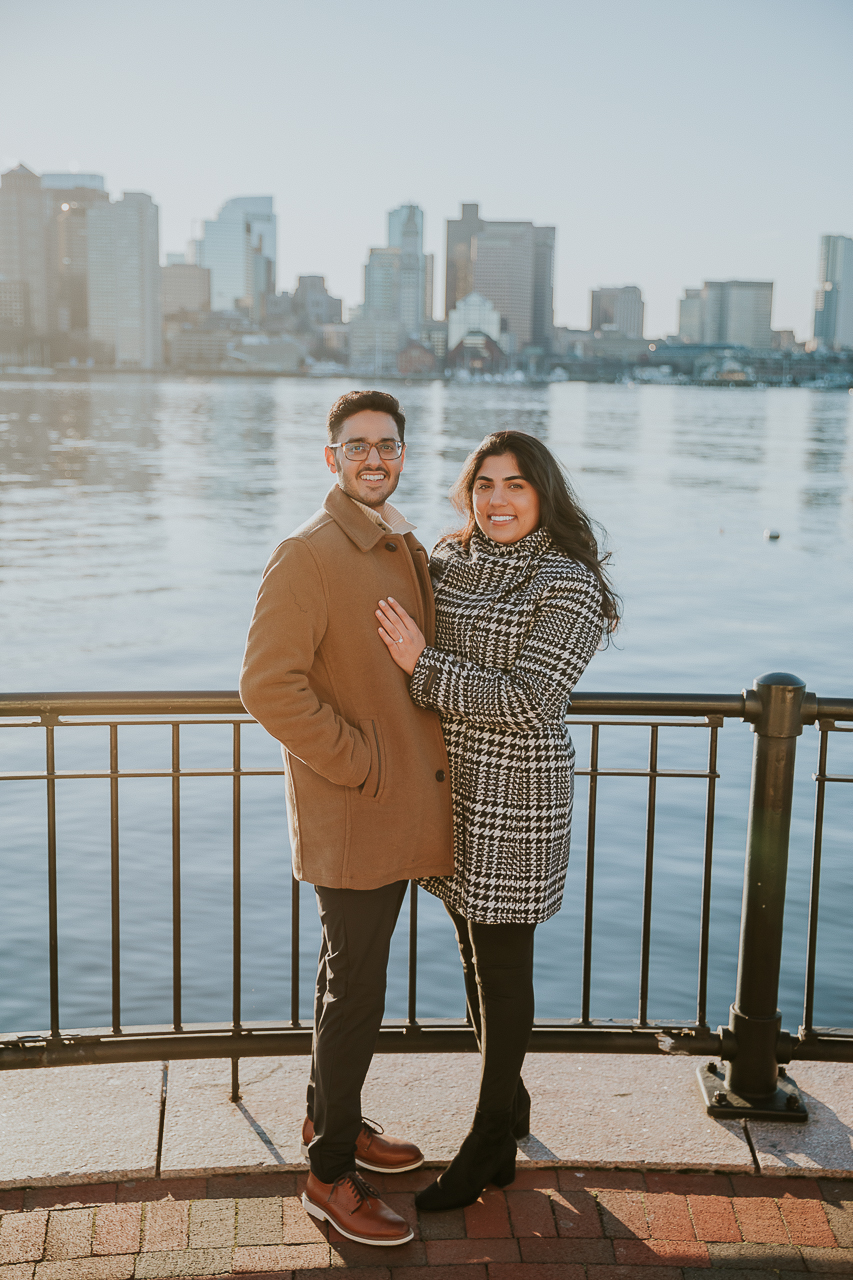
(521, 1111)
(486, 1156)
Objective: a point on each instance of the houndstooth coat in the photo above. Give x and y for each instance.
(516, 625)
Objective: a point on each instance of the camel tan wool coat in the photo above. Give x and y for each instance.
(366, 771)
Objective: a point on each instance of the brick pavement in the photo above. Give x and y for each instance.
(551, 1224)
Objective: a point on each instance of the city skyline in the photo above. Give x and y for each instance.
(82, 276)
(663, 150)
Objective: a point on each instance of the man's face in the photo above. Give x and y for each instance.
(372, 478)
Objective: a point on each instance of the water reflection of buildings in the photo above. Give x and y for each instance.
(79, 437)
(825, 454)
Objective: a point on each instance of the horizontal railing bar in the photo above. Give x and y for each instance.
(835, 709)
(402, 1038)
(167, 719)
(165, 722)
(264, 773)
(641, 773)
(156, 702)
(167, 1029)
(227, 702)
(832, 777)
(439, 1037)
(612, 723)
(146, 773)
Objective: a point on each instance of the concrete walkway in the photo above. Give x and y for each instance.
(624, 1176)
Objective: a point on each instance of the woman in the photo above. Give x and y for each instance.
(522, 601)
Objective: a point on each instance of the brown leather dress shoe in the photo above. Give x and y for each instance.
(375, 1150)
(355, 1210)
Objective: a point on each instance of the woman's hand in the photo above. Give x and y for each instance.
(401, 633)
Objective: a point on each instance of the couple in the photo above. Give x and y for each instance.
(420, 705)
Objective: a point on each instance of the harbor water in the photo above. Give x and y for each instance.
(136, 516)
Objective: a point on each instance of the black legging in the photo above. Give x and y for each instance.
(497, 960)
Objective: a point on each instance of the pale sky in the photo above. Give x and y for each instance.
(669, 142)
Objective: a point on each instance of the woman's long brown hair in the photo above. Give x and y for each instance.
(559, 510)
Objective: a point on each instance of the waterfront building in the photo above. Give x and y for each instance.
(73, 182)
(334, 342)
(429, 279)
(183, 287)
(397, 297)
(415, 268)
(43, 252)
(728, 311)
(382, 284)
(509, 263)
(477, 354)
(313, 305)
(71, 196)
(617, 310)
(14, 305)
(24, 215)
(434, 334)
(473, 314)
(690, 316)
(374, 343)
(415, 359)
(239, 249)
(123, 278)
(737, 312)
(833, 316)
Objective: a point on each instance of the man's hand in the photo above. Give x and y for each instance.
(401, 634)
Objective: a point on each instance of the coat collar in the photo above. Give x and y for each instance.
(358, 527)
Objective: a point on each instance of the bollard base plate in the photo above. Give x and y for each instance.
(785, 1104)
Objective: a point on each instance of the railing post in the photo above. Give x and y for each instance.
(753, 1084)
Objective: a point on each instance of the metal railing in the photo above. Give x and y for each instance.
(753, 1046)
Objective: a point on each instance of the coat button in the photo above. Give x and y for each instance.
(440, 775)
(390, 546)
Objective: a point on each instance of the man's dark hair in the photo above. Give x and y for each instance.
(355, 402)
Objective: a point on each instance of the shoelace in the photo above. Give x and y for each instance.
(363, 1190)
(371, 1124)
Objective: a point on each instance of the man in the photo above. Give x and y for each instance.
(368, 795)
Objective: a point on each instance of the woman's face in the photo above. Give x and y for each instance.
(506, 506)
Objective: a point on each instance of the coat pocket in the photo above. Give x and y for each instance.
(374, 783)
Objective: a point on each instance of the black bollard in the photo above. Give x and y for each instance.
(754, 1043)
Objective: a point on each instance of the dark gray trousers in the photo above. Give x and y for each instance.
(350, 1001)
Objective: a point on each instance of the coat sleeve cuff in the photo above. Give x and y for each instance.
(423, 679)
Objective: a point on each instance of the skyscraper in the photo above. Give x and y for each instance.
(382, 284)
(737, 311)
(406, 233)
(690, 316)
(313, 304)
(239, 247)
(71, 196)
(184, 287)
(24, 216)
(728, 311)
(617, 311)
(397, 295)
(459, 277)
(511, 264)
(124, 279)
(833, 314)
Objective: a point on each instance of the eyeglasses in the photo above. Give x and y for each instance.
(356, 450)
